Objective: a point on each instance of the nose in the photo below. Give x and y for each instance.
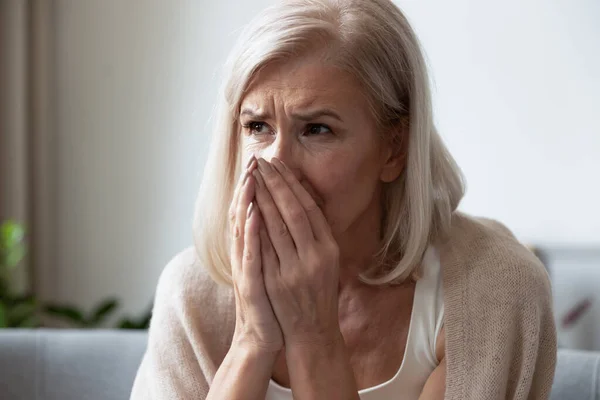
(285, 150)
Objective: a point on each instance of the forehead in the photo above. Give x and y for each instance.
(304, 82)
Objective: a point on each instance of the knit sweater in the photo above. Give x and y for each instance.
(500, 333)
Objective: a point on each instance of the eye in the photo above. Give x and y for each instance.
(256, 128)
(317, 129)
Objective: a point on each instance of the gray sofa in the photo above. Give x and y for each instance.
(101, 365)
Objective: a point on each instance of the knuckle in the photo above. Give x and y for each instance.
(312, 208)
(237, 232)
(249, 255)
(312, 255)
(318, 258)
(281, 230)
(334, 250)
(297, 216)
(277, 183)
(316, 264)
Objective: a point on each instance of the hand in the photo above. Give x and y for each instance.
(300, 258)
(256, 325)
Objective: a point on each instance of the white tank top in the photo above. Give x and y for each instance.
(419, 358)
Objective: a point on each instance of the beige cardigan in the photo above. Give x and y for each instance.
(500, 334)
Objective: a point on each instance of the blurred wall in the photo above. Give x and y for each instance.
(517, 88)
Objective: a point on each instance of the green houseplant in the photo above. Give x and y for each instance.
(25, 311)
(15, 310)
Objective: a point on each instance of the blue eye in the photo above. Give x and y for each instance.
(317, 129)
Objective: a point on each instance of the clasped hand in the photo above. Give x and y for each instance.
(285, 262)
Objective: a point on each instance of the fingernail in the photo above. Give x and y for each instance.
(250, 161)
(263, 166)
(250, 209)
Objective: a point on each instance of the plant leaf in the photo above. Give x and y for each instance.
(104, 310)
(11, 234)
(3, 319)
(68, 313)
(22, 311)
(12, 246)
(15, 255)
(24, 298)
(31, 322)
(126, 324)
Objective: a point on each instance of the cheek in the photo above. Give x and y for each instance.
(345, 186)
(251, 148)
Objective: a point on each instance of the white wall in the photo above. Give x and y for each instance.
(518, 91)
(517, 87)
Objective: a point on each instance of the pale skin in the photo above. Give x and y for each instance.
(305, 222)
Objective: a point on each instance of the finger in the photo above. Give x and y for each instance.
(288, 205)
(234, 201)
(249, 168)
(278, 231)
(270, 262)
(251, 263)
(245, 197)
(233, 208)
(320, 227)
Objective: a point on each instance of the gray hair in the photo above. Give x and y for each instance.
(373, 40)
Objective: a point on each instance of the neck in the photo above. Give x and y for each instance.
(358, 244)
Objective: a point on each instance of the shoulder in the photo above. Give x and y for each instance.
(485, 256)
(184, 282)
(190, 331)
(497, 299)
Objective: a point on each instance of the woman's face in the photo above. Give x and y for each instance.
(315, 118)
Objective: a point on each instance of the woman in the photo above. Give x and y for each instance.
(336, 266)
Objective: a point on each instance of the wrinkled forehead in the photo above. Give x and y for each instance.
(303, 83)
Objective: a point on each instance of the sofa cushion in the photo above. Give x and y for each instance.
(577, 376)
(101, 365)
(69, 365)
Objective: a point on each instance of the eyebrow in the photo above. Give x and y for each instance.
(308, 116)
